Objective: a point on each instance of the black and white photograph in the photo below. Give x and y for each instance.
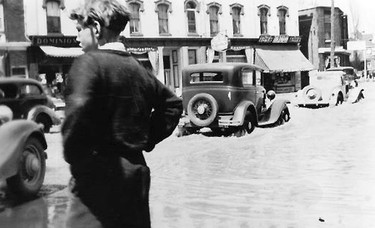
(187, 113)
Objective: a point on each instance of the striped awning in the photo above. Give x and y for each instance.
(282, 60)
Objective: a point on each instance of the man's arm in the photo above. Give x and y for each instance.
(165, 116)
(79, 110)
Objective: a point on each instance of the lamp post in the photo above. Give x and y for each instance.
(332, 56)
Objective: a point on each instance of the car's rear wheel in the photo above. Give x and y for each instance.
(202, 109)
(31, 170)
(249, 124)
(311, 93)
(46, 121)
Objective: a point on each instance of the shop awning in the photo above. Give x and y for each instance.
(282, 60)
(62, 52)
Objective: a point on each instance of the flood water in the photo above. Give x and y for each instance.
(315, 171)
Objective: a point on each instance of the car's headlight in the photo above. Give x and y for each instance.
(6, 114)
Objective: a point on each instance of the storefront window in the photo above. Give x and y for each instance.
(284, 78)
(1, 18)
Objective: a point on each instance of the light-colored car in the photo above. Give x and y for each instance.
(328, 88)
(22, 155)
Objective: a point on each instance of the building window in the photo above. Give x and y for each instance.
(236, 12)
(134, 23)
(327, 25)
(214, 9)
(163, 7)
(192, 54)
(282, 13)
(53, 8)
(264, 13)
(1, 18)
(191, 9)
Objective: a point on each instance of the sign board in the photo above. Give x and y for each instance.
(58, 41)
(356, 45)
(220, 42)
(279, 39)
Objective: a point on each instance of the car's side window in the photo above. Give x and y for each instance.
(201, 77)
(247, 77)
(30, 90)
(10, 91)
(258, 78)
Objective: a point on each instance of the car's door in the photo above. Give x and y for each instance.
(30, 96)
(9, 97)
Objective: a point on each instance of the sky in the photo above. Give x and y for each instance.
(361, 12)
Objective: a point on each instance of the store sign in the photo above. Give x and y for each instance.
(141, 49)
(220, 42)
(279, 39)
(58, 41)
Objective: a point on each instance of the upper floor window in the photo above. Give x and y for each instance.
(191, 7)
(214, 9)
(135, 6)
(163, 7)
(282, 13)
(236, 11)
(53, 9)
(264, 12)
(327, 25)
(1, 18)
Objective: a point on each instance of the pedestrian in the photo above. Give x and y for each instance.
(115, 110)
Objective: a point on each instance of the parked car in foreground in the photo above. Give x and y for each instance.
(227, 98)
(328, 88)
(22, 155)
(27, 100)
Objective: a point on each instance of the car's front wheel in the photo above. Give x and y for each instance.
(31, 170)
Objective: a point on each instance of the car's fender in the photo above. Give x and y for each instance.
(354, 94)
(13, 136)
(241, 109)
(38, 109)
(274, 112)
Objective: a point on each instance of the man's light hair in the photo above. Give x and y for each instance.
(109, 13)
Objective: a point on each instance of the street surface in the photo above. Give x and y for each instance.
(315, 171)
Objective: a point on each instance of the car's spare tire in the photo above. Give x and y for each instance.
(311, 93)
(202, 109)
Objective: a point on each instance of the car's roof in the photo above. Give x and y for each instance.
(16, 80)
(219, 66)
(340, 68)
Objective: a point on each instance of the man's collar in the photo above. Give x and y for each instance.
(118, 46)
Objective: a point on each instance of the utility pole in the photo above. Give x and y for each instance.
(332, 56)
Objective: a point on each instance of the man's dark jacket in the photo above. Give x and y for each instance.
(113, 101)
(115, 110)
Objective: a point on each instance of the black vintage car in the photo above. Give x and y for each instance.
(22, 155)
(228, 98)
(27, 100)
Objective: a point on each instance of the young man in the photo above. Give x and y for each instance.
(115, 110)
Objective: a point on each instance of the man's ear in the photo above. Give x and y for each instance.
(98, 29)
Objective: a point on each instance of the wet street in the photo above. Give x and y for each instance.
(315, 171)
